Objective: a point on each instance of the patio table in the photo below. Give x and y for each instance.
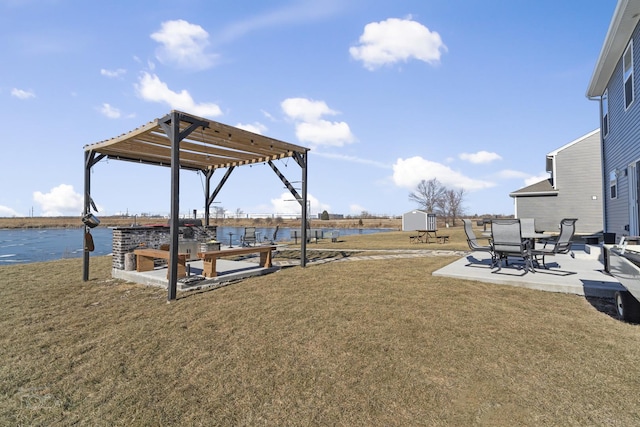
(533, 237)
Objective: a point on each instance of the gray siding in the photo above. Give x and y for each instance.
(579, 181)
(622, 144)
(538, 207)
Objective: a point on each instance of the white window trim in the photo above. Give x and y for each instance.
(630, 76)
(613, 182)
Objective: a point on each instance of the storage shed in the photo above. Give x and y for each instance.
(419, 219)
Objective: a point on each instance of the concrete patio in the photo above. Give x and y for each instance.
(581, 274)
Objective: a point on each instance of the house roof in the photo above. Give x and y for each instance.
(625, 18)
(542, 188)
(212, 145)
(564, 147)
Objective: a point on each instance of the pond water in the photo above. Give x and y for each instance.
(20, 246)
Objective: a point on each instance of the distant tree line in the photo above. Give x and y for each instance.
(434, 197)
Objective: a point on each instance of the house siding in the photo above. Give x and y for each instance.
(578, 183)
(622, 145)
(538, 207)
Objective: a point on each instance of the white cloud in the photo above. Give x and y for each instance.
(6, 211)
(109, 111)
(22, 94)
(61, 200)
(306, 110)
(480, 157)
(352, 159)
(323, 132)
(534, 179)
(268, 115)
(151, 88)
(112, 74)
(184, 45)
(255, 127)
(286, 204)
(395, 40)
(408, 173)
(311, 128)
(356, 209)
(295, 13)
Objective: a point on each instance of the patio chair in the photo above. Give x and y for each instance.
(528, 226)
(506, 235)
(249, 236)
(561, 245)
(473, 242)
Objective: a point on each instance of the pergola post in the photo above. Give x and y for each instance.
(90, 159)
(210, 198)
(88, 155)
(171, 126)
(301, 159)
(207, 189)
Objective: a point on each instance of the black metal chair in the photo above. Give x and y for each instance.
(561, 245)
(249, 236)
(508, 242)
(473, 242)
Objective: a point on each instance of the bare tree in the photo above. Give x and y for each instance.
(218, 212)
(239, 213)
(452, 205)
(429, 195)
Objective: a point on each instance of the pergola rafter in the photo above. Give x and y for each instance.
(183, 141)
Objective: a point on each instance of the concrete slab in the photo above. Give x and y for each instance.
(582, 274)
(228, 271)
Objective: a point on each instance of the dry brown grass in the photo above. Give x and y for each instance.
(352, 343)
(119, 221)
(394, 240)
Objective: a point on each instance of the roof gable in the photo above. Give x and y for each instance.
(542, 188)
(582, 138)
(624, 21)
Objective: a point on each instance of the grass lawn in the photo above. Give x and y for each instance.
(353, 343)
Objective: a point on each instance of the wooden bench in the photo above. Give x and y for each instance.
(209, 258)
(145, 258)
(415, 239)
(442, 239)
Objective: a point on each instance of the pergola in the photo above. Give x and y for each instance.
(183, 141)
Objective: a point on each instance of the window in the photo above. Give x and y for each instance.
(605, 113)
(613, 185)
(627, 63)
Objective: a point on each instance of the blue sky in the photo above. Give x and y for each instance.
(384, 93)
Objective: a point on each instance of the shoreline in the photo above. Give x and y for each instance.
(119, 221)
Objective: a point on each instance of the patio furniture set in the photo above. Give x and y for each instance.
(518, 238)
(429, 233)
(145, 258)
